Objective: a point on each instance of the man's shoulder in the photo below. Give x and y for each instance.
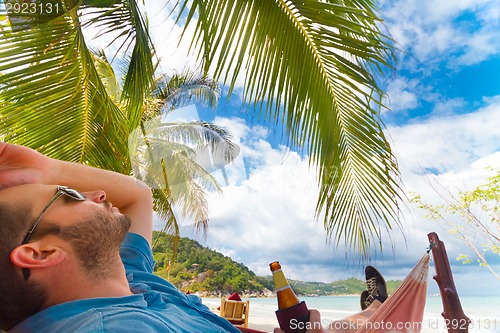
(135, 313)
(88, 315)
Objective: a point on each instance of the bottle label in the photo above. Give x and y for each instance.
(280, 282)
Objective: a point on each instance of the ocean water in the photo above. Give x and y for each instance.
(484, 312)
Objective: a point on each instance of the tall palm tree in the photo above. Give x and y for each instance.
(312, 63)
(165, 154)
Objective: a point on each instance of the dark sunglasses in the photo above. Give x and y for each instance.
(61, 190)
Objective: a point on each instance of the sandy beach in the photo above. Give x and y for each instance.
(261, 315)
(483, 311)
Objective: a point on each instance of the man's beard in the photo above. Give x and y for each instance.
(96, 242)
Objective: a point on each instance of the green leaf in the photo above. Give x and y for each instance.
(313, 65)
(52, 98)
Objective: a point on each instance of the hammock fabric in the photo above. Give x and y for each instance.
(403, 311)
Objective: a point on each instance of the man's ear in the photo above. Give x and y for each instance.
(33, 255)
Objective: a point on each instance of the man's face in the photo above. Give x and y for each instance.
(93, 227)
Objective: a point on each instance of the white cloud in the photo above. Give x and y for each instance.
(173, 52)
(449, 107)
(478, 47)
(402, 95)
(432, 31)
(447, 143)
(268, 215)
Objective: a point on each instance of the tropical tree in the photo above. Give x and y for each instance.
(472, 216)
(166, 154)
(311, 65)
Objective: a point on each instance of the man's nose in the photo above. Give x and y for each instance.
(96, 196)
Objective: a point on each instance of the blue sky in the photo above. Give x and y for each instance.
(443, 124)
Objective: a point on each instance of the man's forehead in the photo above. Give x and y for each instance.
(27, 192)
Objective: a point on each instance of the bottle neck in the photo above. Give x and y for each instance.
(286, 296)
(280, 282)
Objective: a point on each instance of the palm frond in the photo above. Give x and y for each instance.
(52, 97)
(163, 206)
(187, 87)
(177, 145)
(313, 64)
(124, 20)
(107, 75)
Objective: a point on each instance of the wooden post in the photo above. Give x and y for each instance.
(455, 318)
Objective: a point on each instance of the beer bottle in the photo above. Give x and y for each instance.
(292, 314)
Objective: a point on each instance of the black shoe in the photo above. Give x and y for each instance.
(376, 285)
(365, 300)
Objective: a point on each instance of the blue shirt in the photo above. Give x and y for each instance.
(156, 306)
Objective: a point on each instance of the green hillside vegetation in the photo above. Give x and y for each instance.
(199, 269)
(351, 286)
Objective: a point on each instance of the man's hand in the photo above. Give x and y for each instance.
(23, 165)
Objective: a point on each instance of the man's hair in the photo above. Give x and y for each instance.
(19, 299)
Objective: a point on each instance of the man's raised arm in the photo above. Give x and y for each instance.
(22, 165)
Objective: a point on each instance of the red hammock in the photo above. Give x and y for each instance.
(403, 311)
